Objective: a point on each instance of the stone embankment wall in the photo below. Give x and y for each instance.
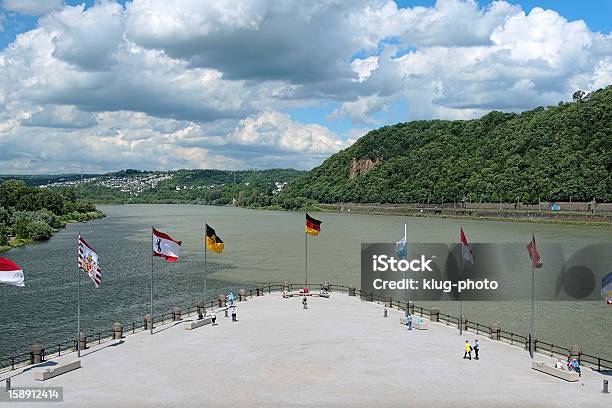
(529, 214)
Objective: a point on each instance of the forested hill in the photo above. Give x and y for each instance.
(553, 153)
(33, 214)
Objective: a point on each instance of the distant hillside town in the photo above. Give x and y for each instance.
(218, 187)
(132, 184)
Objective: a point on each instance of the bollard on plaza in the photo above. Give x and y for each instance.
(201, 310)
(226, 312)
(117, 331)
(385, 312)
(36, 355)
(242, 297)
(8, 384)
(82, 339)
(176, 313)
(434, 315)
(326, 286)
(604, 391)
(147, 322)
(222, 300)
(260, 291)
(494, 332)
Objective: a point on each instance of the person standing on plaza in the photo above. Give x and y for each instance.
(468, 350)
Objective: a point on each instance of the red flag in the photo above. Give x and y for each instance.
(466, 251)
(533, 253)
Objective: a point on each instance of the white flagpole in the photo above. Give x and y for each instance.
(460, 300)
(151, 322)
(532, 322)
(305, 259)
(205, 268)
(461, 263)
(78, 304)
(406, 272)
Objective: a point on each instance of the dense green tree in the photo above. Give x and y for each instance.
(35, 213)
(549, 153)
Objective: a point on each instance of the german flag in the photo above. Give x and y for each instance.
(313, 227)
(213, 241)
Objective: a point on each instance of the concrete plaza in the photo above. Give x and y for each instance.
(340, 352)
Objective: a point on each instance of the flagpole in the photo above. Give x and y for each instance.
(406, 272)
(79, 308)
(205, 268)
(460, 299)
(152, 228)
(305, 259)
(532, 323)
(461, 263)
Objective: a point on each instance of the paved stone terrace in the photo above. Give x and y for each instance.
(340, 352)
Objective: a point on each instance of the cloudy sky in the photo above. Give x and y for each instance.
(157, 84)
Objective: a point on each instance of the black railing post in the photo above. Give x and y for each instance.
(598, 364)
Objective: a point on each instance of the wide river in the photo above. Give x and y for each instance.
(260, 247)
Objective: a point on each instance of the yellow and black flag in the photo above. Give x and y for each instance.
(213, 241)
(313, 227)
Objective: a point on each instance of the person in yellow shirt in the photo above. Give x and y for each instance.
(468, 350)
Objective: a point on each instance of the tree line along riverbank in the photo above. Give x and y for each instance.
(29, 214)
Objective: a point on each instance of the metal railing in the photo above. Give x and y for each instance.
(58, 349)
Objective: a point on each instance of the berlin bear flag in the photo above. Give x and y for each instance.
(165, 246)
(10, 273)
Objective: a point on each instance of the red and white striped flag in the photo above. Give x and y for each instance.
(165, 246)
(88, 262)
(10, 273)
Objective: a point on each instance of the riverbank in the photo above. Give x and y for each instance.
(15, 242)
(411, 210)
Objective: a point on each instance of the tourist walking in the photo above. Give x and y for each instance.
(468, 350)
(213, 317)
(576, 366)
(305, 303)
(234, 314)
(409, 321)
(476, 348)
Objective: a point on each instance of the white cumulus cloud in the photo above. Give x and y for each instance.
(156, 83)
